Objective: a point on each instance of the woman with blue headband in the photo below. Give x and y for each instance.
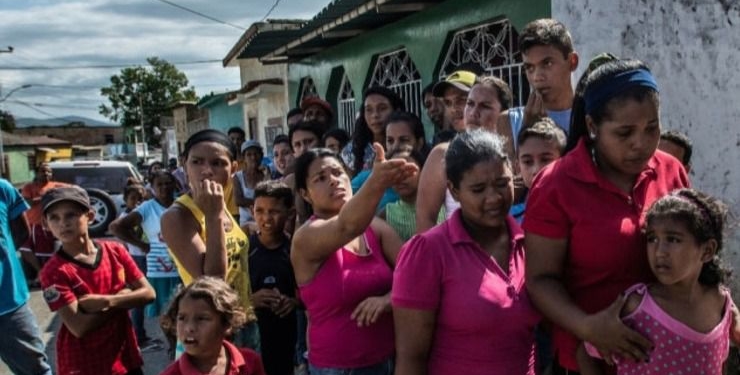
(583, 227)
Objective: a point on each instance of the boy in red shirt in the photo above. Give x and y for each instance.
(91, 284)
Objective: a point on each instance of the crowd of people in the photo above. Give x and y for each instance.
(559, 237)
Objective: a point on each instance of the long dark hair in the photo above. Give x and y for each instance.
(602, 76)
(363, 135)
(704, 216)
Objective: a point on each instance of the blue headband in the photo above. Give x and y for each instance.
(597, 95)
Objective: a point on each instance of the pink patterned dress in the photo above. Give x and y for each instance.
(678, 348)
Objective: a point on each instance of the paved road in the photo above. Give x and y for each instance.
(154, 362)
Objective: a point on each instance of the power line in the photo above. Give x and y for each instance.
(16, 101)
(101, 66)
(35, 109)
(269, 12)
(202, 15)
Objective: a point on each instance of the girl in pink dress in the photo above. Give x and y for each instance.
(687, 314)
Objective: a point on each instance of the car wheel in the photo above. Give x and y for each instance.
(105, 212)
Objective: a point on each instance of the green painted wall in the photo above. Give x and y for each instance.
(424, 35)
(19, 172)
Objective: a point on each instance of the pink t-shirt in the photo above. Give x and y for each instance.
(485, 321)
(678, 348)
(343, 281)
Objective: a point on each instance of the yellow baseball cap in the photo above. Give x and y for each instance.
(460, 79)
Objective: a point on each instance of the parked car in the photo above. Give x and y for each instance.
(104, 182)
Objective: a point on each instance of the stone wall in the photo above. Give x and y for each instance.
(693, 47)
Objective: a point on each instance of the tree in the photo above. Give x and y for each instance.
(141, 95)
(7, 121)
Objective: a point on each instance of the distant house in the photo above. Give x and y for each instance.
(22, 153)
(78, 133)
(264, 92)
(224, 111)
(187, 119)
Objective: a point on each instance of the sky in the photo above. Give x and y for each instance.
(75, 33)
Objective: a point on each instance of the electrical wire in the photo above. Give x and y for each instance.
(35, 109)
(101, 66)
(270, 11)
(22, 102)
(202, 15)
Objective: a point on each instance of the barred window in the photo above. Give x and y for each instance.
(347, 106)
(398, 72)
(494, 47)
(308, 89)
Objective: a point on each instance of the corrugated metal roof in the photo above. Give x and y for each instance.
(10, 139)
(337, 22)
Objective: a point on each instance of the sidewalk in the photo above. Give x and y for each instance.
(154, 361)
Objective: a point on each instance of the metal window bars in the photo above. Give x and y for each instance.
(493, 47)
(347, 106)
(396, 71)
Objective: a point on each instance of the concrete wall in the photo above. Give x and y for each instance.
(270, 105)
(693, 48)
(222, 115)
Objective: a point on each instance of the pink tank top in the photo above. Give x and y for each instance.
(678, 348)
(343, 281)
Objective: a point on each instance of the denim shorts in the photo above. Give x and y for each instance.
(382, 368)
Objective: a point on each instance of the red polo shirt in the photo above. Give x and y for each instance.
(111, 348)
(242, 361)
(607, 252)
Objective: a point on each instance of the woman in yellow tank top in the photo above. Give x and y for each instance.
(203, 238)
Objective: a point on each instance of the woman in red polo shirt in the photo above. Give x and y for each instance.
(585, 213)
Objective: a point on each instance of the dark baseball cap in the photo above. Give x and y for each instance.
(65, 194)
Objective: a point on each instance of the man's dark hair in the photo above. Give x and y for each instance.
(282, 138)
(293, 112)
(546, 32)
(681, 140)
(236, 129)
(309, 126)
(275, 189)
(428, 89)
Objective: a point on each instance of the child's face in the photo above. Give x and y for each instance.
(270, 214)
(534, 154)
(674, 255)
(199, 328)
(68, 221)
(399, 134)
(672, 149)
(164, 187)
(134, 199)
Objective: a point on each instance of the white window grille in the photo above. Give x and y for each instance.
(347, 106)
(397, 72)
(308, 89)
(494, 47)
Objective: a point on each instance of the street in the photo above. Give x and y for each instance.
(154, 361)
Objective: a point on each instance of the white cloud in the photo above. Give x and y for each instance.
(95, 32)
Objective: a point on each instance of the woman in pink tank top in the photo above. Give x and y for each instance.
(343, 260)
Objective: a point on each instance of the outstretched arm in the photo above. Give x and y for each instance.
(318, 239)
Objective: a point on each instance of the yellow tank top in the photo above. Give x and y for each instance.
(237, 251)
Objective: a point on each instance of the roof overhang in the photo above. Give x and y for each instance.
(338, 22)
(261, 38)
